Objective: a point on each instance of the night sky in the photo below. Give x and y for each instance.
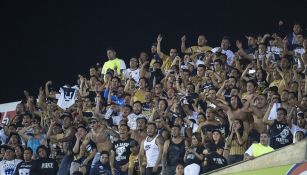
(57, 40)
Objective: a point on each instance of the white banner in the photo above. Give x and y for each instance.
(7, 110)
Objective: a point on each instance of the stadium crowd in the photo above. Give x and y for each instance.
(188, 111)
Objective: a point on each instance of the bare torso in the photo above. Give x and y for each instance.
(139, 136)
(101, 139)
(237, 114)
(258, 114)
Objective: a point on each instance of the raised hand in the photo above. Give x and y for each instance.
(26, 93)
(41, 91)
(183, 38)
(266, 35)
(159, 39)
(49, 83)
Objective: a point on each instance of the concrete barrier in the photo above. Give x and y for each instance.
(281, 158)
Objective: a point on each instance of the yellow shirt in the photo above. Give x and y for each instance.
(167, 62)
(281, 84)
(259, 149)
(139, 96)
(111, 64)
(133, 163)
(197, 49)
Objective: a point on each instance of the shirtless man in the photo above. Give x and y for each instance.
(234, 110)
(100, 135)
(140, 133)
(258, 110)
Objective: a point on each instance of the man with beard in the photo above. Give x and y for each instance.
(9, 163)
(25, 166)
(152, 148)
(258, 110)
(226, 88)
(137, 112)
(140, 133)
(100, 135)
(173, 151)
(119, 157)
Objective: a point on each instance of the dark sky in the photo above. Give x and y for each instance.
(57, 40)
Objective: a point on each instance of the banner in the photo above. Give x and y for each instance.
(7, 111)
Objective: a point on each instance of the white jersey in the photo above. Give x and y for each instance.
(67, 97)
(228, 53)
(152, 151)
(135, 74)
(7, 167)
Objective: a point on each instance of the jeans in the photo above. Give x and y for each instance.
(118, 172)
(170, 170)
(95, 159)
(65, 164)
(148, 171)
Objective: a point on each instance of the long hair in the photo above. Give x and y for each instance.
(264, 75)
(241, 129)
(239, 102)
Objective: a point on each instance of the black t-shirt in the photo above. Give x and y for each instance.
(44, 166)
(122, 152)
(214, 161)
(280, 135)
(191, 158)
(175, 153)
(23, 168)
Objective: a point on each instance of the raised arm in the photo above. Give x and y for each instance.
(219, 104)
(47, 88)
(164, 155)
(291, 116)
(160, 143)
(266, 116)
(183, 46)
(42, 99)
(22, 133)
(141, 158)
(160, 53)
